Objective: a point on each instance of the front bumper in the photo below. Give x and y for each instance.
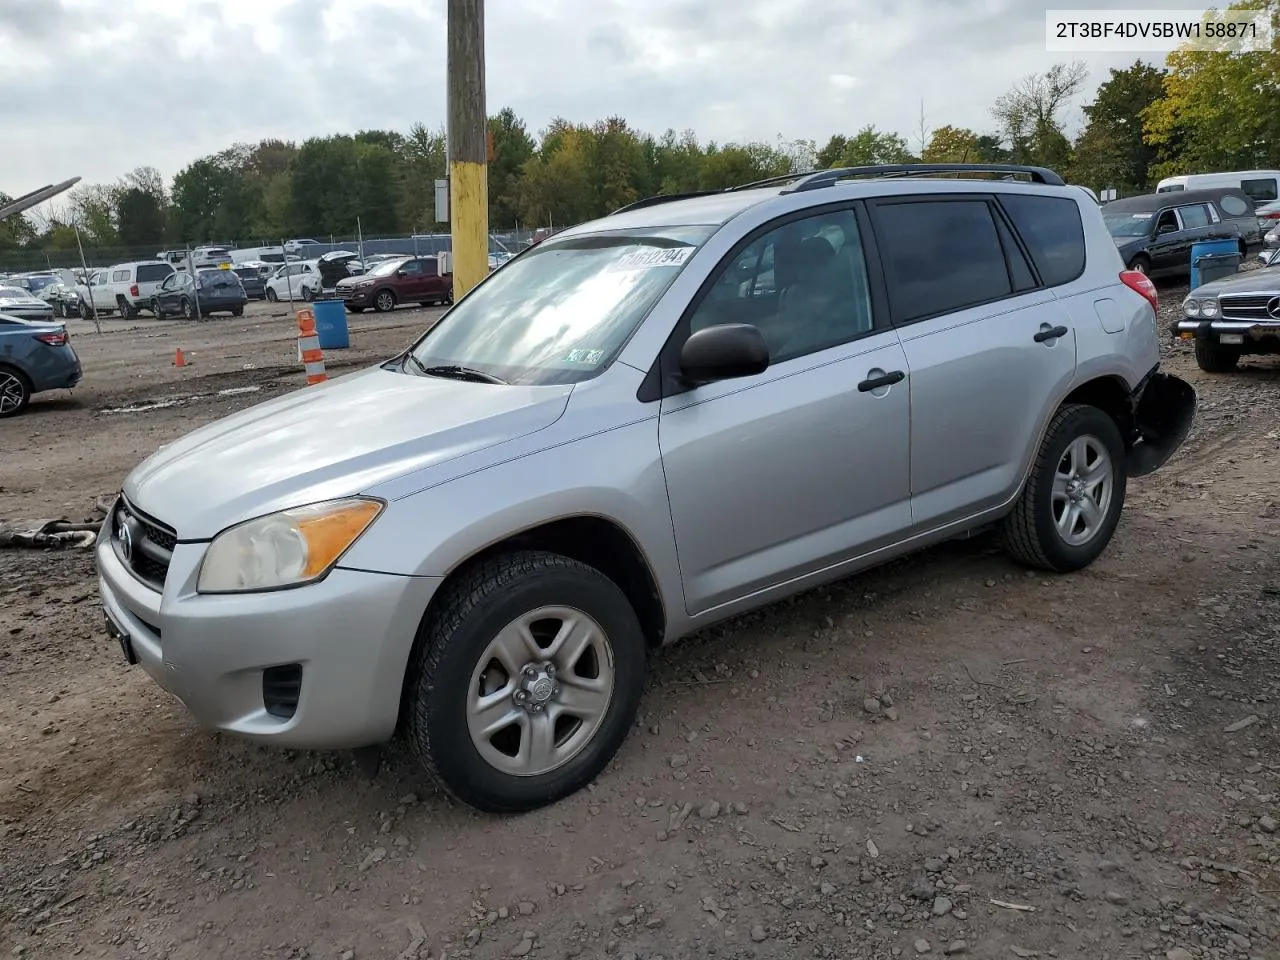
(1219, 330)
(350, 634)
(355, 296)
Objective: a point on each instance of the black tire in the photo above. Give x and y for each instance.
(308, 294)
(1142, 264)
(1030, 533)
(237, 311)
(15, 392)
(188, 311)
(156, 309)
(271, 295)
(126, 309)
(86, 312)
(454, 637)
(384, 301)
(1214, 357)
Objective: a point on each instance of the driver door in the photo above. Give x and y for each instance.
(786, 474)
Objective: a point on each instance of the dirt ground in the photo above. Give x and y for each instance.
(1076, 767)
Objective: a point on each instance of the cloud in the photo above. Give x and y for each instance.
(97, 87)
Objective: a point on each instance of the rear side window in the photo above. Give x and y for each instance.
(1053, 232)
(119, 276)
(1194, 215)
(940, 256)
(153, 272)
(1261, 190)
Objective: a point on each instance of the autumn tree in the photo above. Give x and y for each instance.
(952, 145)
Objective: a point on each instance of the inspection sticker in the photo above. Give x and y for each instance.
(659, 257)
(584, 356)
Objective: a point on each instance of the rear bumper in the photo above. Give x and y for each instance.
(1164, 412)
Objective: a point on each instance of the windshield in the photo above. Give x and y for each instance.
(560, 313)
(39, 283)
(1128, 224)
(387, 267)
(8, 293)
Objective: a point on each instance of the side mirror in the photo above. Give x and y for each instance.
(1166, 228)
(402, 273)
(723, 352)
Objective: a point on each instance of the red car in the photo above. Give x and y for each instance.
(405, 280)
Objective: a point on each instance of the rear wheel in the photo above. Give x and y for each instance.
(126, 309)
(1070, 506)
(308, 294)
(156, 309)
(1213, 357)
(237, 311)
(525, 681)
(15, 392)
(188, 310)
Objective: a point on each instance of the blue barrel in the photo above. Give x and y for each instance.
(1205, 248)
(331, 324)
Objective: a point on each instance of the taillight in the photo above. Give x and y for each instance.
(1139, 282)
(133, 290)
(52, 339)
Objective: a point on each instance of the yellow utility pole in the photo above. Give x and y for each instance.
(468, 154)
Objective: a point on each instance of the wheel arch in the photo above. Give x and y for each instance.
(1112, 396)
(599, 542)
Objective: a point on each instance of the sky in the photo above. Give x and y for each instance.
(95, 88)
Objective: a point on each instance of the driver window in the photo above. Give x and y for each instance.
(803, 284)
(1168, 221)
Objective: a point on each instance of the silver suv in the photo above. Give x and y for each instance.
(643, 425)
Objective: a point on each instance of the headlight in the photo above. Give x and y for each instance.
(285, 549)
(1191, 308)
(1209, 308)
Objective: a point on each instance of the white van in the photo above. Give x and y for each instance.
(262, 254)
(1261, 186)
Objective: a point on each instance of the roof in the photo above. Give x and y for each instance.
(1177, 198)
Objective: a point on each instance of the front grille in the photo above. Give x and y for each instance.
(143, 545)
(344, 293)
(1243, 307)
(281, 688)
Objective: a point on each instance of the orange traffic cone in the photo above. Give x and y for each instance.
(179, 358)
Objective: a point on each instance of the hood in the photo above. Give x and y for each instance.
(333, 440)
(1263, 283)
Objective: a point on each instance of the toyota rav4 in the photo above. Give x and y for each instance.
(640, 426)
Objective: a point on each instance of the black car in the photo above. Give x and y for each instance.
(1154, 232)
(255, 284)
(213, 291)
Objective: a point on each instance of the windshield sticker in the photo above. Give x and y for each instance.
(663, 257)
(584, 356)
(1142, 216)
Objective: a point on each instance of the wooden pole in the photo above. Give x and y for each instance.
(467, 146)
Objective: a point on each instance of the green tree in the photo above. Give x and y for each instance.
(512, 149)
(94, 210)
(16, 230)
(1111, 151)
(676, 162)
(868, 147)
(736, 164)
(1030, 114)
(556, 185)
(949, 144)
(423, 162)
(1220, 111)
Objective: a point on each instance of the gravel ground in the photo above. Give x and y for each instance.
(945, 757)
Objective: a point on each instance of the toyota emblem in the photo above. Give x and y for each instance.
(125, 538)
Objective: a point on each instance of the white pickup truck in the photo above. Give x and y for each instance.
(124, 288)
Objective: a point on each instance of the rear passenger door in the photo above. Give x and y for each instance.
(989, 349)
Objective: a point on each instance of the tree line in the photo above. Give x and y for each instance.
(1200, 112)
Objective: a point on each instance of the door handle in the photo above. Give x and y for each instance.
(884, 380)
(1050, 333)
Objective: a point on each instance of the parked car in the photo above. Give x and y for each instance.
(393, 282)
(63, 298)
(1233, 317)
(17, 302)
(616, 440)
(1154, 232)
(207, 257)
(95, 293)
(211, 291)
(299, 280)
(132, 285)
(35, 356)
(255, 284)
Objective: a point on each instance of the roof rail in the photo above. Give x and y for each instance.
(770, 181)
(662, 198)
(825, 178)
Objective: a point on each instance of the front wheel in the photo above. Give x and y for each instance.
(1070, 506)
(271, 295)
(385, 301)
(1142, 265)
(524, 682)
(1214, 357)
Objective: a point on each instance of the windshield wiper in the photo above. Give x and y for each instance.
(458, 373)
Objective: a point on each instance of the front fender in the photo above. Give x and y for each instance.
(1163, 415)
